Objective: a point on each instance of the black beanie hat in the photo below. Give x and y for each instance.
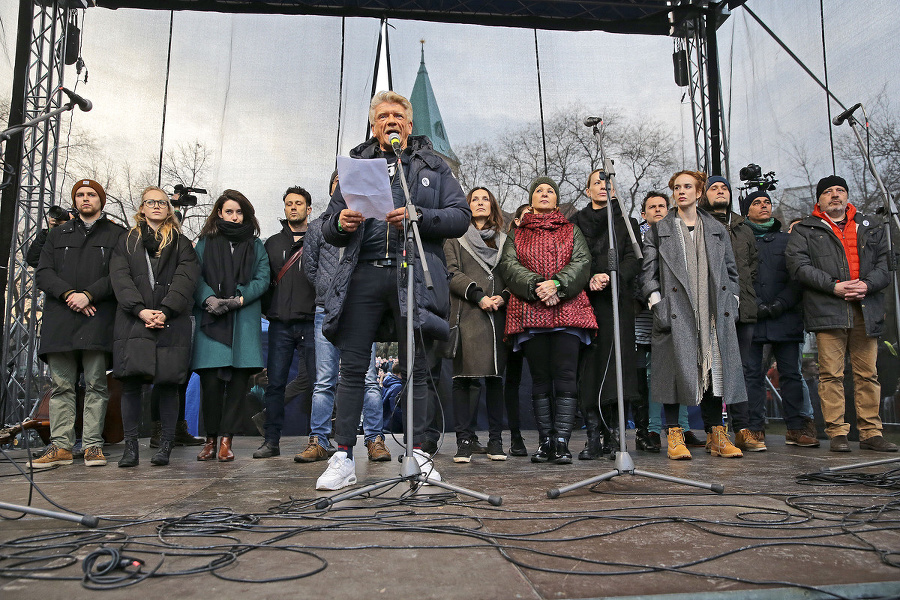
(830, 181)
(539, 181)
(746, 202)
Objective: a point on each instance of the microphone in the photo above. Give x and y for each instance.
(395, 143)
(839, 120)
(83, 103)
(591, 121)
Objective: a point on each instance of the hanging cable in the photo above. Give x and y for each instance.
(827, 92)
(537, 60)
(162, 133)
(337, 143)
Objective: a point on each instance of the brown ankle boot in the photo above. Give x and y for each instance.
(225, 453)
(677, 448)
(721, 445)
(208, 451)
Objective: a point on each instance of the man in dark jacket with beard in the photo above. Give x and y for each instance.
(77, 323)
(290, 313)
(840, 258)
(369, 284)
(717, 201)
(779, 322)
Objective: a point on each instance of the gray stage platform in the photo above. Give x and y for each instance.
(631, 537)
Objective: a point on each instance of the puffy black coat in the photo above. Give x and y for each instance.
(33, 256)
(77, 258)
(320, 259)
(159, 355)
(436, 193)
(816, 259)
(774, 284)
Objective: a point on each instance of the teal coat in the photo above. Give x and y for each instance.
(246, 351)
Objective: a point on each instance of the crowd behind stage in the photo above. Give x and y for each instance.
(712, 296)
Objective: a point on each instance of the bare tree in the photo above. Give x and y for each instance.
(643, 152)
(189, 164)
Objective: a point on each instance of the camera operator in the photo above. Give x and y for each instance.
(56, 215)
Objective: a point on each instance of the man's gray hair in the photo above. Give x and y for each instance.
(392, 97)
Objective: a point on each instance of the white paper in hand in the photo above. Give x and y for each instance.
(365, 186)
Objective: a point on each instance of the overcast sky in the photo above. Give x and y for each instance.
(262, 92)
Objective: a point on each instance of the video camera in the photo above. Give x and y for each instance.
(186, 197)
(753, 175)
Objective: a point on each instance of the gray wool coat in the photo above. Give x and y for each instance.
(482, 352)
(674, 377)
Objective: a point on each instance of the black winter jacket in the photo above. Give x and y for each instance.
(158, 355)
(743, 242)
(33, 256)
(774, 284)
(445, 214)
(816, 258)
(320, 259)
(294, 298)
(77, 259)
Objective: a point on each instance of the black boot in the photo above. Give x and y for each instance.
(183, 437)
(130, 456)
(609, 426)
(155, 434)
(161, 457)
(517, 444)
(563, 422)
(593, 446)
(543, 417)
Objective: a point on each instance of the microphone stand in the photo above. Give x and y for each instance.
(891, 210)
(410, 472)
(624, 463)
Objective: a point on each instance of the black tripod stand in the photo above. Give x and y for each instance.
(624, 463)
(410, 471)
(890, 211)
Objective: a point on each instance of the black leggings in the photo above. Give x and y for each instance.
(710, 411)
(154, 401)
(553, 360)
(132, 391)
(222, 399)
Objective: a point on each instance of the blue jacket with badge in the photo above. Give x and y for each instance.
(445, 214)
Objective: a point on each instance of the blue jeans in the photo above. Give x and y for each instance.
(284, 339)
(328, 359)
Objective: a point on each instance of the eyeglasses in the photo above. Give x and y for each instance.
(156, 203)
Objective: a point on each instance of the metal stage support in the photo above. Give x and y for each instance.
(697, 38)
(32, 177)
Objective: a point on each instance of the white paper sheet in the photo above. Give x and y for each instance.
(365, 186)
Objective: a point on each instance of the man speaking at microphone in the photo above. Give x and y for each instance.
(366, 301)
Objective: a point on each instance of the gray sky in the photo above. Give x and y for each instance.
(262, 91)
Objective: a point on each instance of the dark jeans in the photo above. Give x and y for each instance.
(740, 412)
(553, 360)
(787, 358)
(222, 399)
(466, 393)
(132, 391)
(372, 295)
(511, 389)
(284, 339)
(710, 411)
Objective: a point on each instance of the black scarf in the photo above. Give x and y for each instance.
(223, 269)
(150, 239)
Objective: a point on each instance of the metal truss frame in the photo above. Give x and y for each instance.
(24, 375)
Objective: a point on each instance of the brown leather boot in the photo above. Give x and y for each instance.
(208, 451)
(225, 453)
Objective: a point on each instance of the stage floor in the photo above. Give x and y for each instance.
(631, 536)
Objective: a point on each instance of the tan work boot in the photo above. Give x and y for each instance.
(312, 453)
(720, 444)
(677, 448)
(53, 455)
(93, 457)
(378, 452)
(750, 441)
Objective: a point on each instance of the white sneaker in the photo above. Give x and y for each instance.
(340, 473)
(426, 465)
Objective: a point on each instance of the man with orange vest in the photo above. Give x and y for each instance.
(839, 256)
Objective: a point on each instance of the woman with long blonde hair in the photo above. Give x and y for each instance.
(153, 272)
